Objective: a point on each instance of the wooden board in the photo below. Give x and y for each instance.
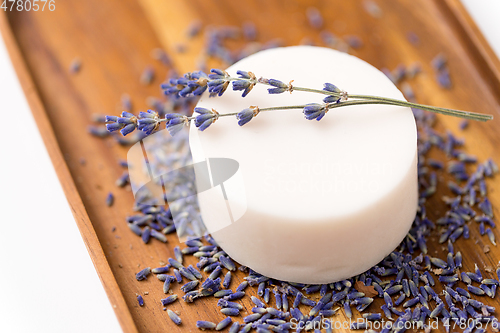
(114, 40)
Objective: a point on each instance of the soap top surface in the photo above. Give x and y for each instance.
(308, 170)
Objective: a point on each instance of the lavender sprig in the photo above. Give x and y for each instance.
(221, 79)
(217, 82)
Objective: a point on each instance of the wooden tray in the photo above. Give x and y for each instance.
(114, 39)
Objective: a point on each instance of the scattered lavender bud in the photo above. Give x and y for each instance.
(205, 325)
(258, 302)
(230, 311)
(143, 274)
(223, 324)
(227, 304)
(178, 255)
(158, 235)
(251, 318)
(169, 300)
(491, 236)
(227, 280)
(235, 327)
(194, 28)
(75, 66)
(353, 41)
(227, 263)
(147, 76)
(249, 31)
(413, 38)
(174, 317)
(189, 286)
(223, 293)
(110, 199)
(235, 296)
(372, 8)
(146, 235)
(475, 290)
(314, 18)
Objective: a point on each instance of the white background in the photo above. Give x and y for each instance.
(47, 280)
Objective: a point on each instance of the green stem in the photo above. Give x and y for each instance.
(388, 101)
(445, 111)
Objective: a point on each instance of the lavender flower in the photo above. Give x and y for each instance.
(205, 118)
(280, 87)
(148, 121)
(219, 81)
(246, 115)
(127, 123)
(175, 122)
(315, 111)
(331, 88)
(199, 82)
(112, 127)
(247, 83)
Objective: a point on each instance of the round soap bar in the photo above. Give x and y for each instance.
(308, 201)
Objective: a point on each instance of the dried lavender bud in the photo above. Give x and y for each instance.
(143, 274)
(230, 311)
(227, 263)
(169, 300)
(175, 123)
(194, 28)
(315, 111)
(140, 300)
(178, 255)
(189, 286)
(280, 87)
(146, 235)
(227, 280)
(205, 325)
(235, 296)
(314, 18)
(246, 83)
(158, 235)
(475, 290)
(110, 199)
(245, 115)
(227, 304)
(217, 271)
(242, 286)
(223, 293)
(205, 118)
(372, 316)
(75, 66)
(353, 41)
(235, 327)
(174, 317)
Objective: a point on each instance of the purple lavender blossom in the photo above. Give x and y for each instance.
(280, 87)
(175, 122)
(244, 83)
(246, 115)
(315, 111)
(205, 118)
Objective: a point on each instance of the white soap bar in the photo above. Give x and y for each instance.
(312, 201)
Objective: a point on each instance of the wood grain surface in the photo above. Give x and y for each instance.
(114, 40)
